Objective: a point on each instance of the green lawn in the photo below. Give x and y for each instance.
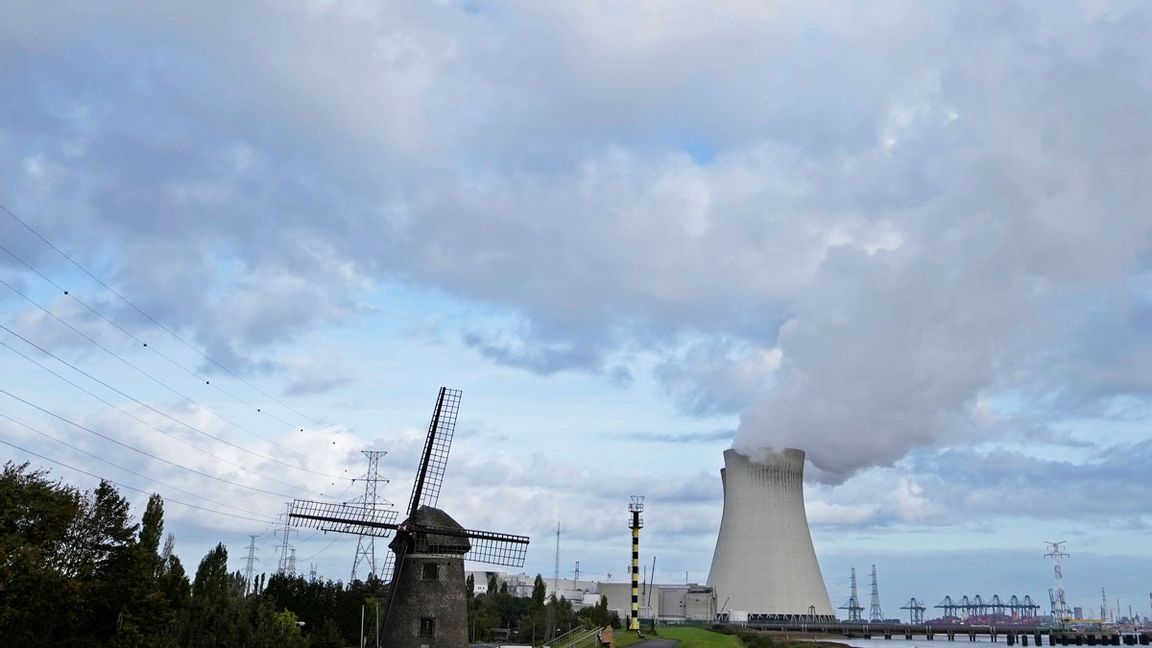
(693, 637)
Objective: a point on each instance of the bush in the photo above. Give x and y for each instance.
(753, 639)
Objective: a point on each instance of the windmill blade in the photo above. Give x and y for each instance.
(385, 572)
(434, 459)
(352, 517)
(497, 548)
(482, 546)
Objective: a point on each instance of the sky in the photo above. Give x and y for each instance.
(244, 242)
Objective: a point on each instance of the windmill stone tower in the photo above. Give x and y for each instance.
(428, 601)
(429, 597)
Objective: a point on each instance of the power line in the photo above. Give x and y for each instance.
(325, 548)
(135, 449)
(127, 470)
(152, 319)
(141, 403)
(133, 416)
(131, 488)
(153, 349)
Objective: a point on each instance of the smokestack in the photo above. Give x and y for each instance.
(764, 562)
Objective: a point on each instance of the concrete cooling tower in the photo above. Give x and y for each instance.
(764, 562)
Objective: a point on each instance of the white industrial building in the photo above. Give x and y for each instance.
(669, 603)
(764, 564)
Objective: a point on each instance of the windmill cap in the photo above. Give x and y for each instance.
(430, 518)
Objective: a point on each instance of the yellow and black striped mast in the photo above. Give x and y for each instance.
(636, 508)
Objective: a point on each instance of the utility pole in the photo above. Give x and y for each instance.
(550, 617)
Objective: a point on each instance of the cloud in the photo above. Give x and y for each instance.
(689, 437)
(876, 233)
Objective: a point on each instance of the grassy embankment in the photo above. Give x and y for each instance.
(693, 637)
(697, 637)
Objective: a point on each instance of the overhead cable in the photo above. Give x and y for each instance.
(131, 488)
(152, 319)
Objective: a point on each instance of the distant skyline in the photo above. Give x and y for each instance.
(913, 240)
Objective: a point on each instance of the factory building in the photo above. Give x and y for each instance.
(668, 603)
(764, 565)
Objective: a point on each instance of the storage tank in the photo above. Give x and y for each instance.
(764, 561)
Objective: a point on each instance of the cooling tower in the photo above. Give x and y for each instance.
(764, 562)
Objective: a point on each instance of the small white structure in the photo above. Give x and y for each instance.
(764, 561)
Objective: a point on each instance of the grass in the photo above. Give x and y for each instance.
(694, 637)
(623, 638)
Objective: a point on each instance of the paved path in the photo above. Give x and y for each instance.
(655, 643)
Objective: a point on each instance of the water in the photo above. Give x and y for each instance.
(898, 641)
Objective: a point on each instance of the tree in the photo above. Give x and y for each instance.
(209, 623)
(538, 590)
(146, 618)
(36, 516)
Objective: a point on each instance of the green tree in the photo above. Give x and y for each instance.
(539, 589)
(99, 556)
(209, 622)
(38, 603)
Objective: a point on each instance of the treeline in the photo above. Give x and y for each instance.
(496, 614)
(77, 570)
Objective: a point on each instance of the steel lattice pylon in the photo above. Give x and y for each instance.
(371, 501)
(1060, 610)
(853, 605)
(875, 614)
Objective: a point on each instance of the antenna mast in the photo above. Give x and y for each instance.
(556, 573)
(1059, 604)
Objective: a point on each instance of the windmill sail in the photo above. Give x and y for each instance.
(497, 548)
(350, 517)
(437, 445)
(427, 531)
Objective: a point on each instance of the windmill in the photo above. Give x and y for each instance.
(427, 605)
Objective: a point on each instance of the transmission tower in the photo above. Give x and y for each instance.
(1060, 610)
(292, 561)
(251, 558)
(366, 544)
(576, 574)
(875, 614)
(1103, 604)
(282, 566)
(853, 605)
